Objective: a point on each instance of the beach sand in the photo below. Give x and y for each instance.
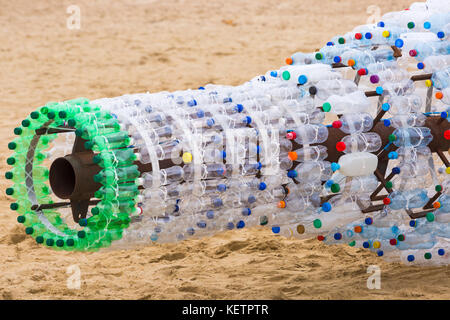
(133, 46)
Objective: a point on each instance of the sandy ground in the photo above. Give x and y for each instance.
(133, 46)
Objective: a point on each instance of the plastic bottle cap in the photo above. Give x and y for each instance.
(351, 62)
(386, 33)
(410, 258)
(302, 79)
(389, 186)
(362, 72)
(426, 25)
(427, 255)
(337, 236)
(317, 223)
(292, 155)
(368, 221)
(281, 204)
(393, 242)
(357, 229)
(410, 25)
(337, 59)
(335, 188)
(412, 53)
(12, 145)
(430, 217)
(291, 135)
(320, 238)
(440, 34)
(337, 124)
(399, 43)
(20, 219)
(437, 205)
(374, 78)
(441, 252)
(420, 65)
(438, 188)
(340, 146)
(326, 107)
(289, 60)
(379, 90)
(286, 75)
(18, 131)
(385, 107)
(292, 174)
(11, 161)
(318, 56)
(439, 95)
(358, 36)
(341, 40)
(326, 207)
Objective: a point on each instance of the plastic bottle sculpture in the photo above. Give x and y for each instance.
(348, 144)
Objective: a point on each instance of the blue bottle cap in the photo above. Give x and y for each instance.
(200, 113)
(247, 120)
(217, 202)
(368, 35)
(239, 107)
(273, 74)
(240, 224)
(326, 207)
(210, 214)
(387, 122)
(380, 253)
(329, 44)
(192, 103)
(368, 221)
(302, 79)
(329, 183)
(263, 78)
(227, 99)
(337, 59)
(412, 223)
(276, 229)
(441, 34)
(441, 252)
(385, 106)
(190, 231)
(337, 236)
(246, 211)
(210, 122)
(224, 154)
(380, 24)
(230, 225)
(396, 170)
(427, 25)
(379, 90)
(335, 166)
(410, 258)
(420, 65)
(366, 244)
(221, 187)
(262, 186)
(292, 174)
(399, 43)
(251, 199)
(444, 114)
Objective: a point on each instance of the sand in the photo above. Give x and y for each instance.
(133, 46)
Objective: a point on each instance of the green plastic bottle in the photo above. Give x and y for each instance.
(110, 141)
(122, 192)
(122, 174)
(118, 157)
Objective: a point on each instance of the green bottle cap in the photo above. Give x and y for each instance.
(21, 219)
(9, 175)
(26, 123)
(71, 122)
(95, 211)
(62, 114)
(10, 161)
(392, 137)
(83, 222)
(326, 107)
(427, 255)
(9, 191)
(12, 145)
(88, 145)
(352, 244)
(317, 223)
(286, 75)
(97, 158)
(81, 234)
(51, 115)
(18, 131)
(389, 184)
(438, 188)
(29, 230)
(341, 40)
(319, 56)
(70, 242)
(335, 188)
(34, 115)
(410, 25)
(78, 132)
(430, 216)
(40, 239)
(401, 237)
(14, 206)
(263, 220)
(60, 243)
(44, 110)
(50, 242)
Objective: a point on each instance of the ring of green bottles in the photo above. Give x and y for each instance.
(117, 176)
